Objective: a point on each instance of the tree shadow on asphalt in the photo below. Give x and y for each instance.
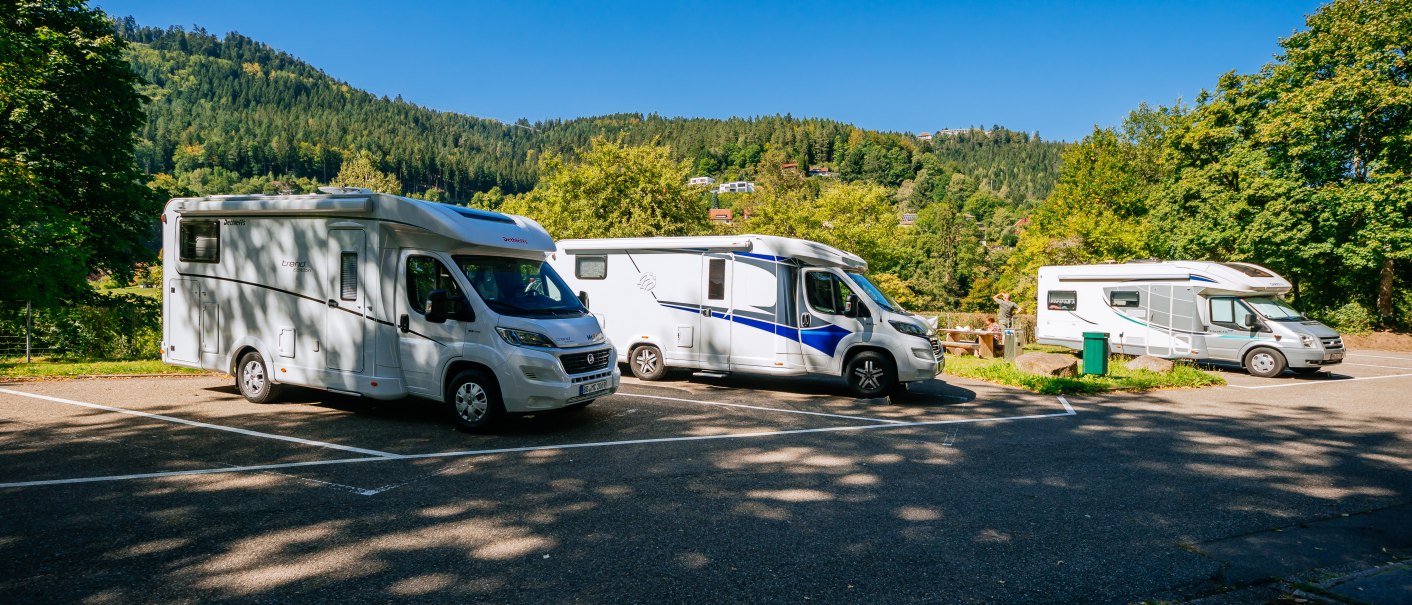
(1104, 506)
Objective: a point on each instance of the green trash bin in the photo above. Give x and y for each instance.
(1096, 353)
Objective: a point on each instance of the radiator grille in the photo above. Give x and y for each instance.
(578, 363)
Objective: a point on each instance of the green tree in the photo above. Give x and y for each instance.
(362, 171)
(71, 200)
(857, 217)
(615, 190)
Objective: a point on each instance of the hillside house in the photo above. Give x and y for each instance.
(701, 180)
(721, 215)
(737, 187)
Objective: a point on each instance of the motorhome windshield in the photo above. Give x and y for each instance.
(874, 293)
(1274, 309)
(519, 287)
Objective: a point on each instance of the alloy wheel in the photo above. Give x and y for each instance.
(472, 402)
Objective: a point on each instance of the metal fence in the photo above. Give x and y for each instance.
(18, 339)
(99, 327)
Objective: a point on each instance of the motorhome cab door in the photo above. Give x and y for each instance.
(344, 287)
(822, 324)
(714, 338)
(421, 343)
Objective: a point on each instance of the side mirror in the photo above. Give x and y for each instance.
(1249, 322)
(853, 307)
(436, 307)
(583, 298)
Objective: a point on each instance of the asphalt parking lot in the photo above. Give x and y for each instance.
(734, 489)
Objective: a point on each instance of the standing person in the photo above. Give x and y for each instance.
(1007, 310)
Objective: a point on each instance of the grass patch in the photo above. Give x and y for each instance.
(61, 368)
(1119, 378)
(152, 292)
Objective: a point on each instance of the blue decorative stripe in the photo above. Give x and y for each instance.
(1195, 277)
(778, 259)
(825, 338)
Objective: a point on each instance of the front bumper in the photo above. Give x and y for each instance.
(534, 380)
(921, 367)
(1310, 358)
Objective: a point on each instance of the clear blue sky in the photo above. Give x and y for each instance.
(1054, 67)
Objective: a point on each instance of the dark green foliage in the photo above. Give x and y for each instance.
(92, 326)
(71, 201)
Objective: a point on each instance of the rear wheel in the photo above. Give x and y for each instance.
(474, 401)
(253, 378)
(870, 374)
(647, 363)
(1265, 363)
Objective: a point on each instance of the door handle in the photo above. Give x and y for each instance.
(705, 312)
(332, 304)
(404, 323)
(804, 320)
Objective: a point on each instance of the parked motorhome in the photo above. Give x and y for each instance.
(378, 296)
(1229, 312)
(751, 304)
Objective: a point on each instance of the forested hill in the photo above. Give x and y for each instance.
(232, 114)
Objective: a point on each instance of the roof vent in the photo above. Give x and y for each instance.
(344, 190)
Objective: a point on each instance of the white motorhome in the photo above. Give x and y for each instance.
(1230, 312)
(378, 296)
(752, 304)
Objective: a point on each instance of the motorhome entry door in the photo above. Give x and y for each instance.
(346, 294)
(1172, 320)
(714, 337)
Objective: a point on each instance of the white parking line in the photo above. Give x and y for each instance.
(756, 407)
(203, 425)
(1068, 411)
(1369, 365)
(1307, 383)
(1353, 354)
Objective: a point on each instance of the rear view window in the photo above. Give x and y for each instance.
(1063, 300)
(200, 241)
(591, 267)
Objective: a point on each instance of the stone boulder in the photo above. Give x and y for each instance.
(1048, 364)
(1151, 364)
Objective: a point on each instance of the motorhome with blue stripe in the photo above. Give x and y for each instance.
(751, 304)
(1227, 312)
(378, 296)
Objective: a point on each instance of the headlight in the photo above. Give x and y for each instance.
(1307, 340)
(908, 328)
(523, 338)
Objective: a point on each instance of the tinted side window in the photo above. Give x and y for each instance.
(716, 279)
(591, 267)
(200, 241)
(348, 276)
(1124, 298)
(425, 274)
(825, 292)
(1062, 300)
(1229, 312)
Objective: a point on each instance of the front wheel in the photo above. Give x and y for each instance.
(253, 378)
(647, 363)
(474, 401)
(1265, 363)
(870, 374)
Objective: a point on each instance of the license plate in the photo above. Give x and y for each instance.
(593, 387)
(1333, 356)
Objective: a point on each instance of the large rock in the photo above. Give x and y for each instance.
(1048, 364)
(1151, 364)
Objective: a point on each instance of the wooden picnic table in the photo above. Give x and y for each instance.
(982, 342)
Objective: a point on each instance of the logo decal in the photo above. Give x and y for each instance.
(647, 282)
(588, 359)
(515, 240)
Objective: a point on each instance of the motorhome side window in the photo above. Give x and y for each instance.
(1124, 298)
(591, 267)
(1062, 300)
(348, 276)
(825, 292)
(716, 279)
(200, 241)
(425, 274)
(1229, 312)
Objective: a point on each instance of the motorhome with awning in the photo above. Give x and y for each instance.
(378, 296)
(1229, 312)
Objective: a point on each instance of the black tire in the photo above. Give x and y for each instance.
(646, 363)
(1306, 371)
(254, 379)
(1264, 362)
(473, 399)
(870, 374)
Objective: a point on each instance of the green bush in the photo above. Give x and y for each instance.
(100, 326)
(1351, 318)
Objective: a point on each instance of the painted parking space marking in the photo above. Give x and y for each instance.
(1307, 383)
(1369, 365)
(1352, 354)
(204, 425)
(1068, 411)
(756, 407)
